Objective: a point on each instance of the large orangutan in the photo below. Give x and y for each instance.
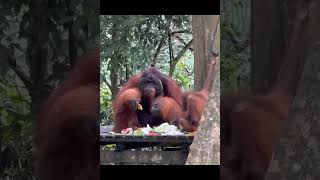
(251, 124)
(67, 132)
(132, 104)
(187, 116)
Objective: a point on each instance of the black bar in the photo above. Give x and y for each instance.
(202, 7)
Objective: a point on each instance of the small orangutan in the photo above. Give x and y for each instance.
(195, 102)
(251, 124)
(188, 116)
(166, 109)
(140, 91)
(67, 131)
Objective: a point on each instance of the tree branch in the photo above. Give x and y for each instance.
(159, 48)
(179, 32)
(188, 72)
(162, 40)
(104, 79)
(174, 62)
(18, 91)
(108, 84)
(184, 50)
(170, 55)
(13, 64)
(182, 41)
(71, 36)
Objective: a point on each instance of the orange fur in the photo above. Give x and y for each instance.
(69, 120)
(251, 124)
(195, 102)
(161, 85)
(122, 110)
(170, 109)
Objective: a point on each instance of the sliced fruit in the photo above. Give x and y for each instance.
(139, 107)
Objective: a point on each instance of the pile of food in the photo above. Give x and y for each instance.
(164, 129)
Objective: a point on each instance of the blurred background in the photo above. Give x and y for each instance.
(39, 43)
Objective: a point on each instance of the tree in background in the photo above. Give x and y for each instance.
(297, 155)
(235, 45)
(205, 148)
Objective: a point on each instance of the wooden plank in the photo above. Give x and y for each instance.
(143, 157)
(164, 145)
(104, 141)
(113, 139)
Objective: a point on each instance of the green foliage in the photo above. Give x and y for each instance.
(235, 47)
(184, 72)
(228, 67)
(15, 137)
(109, 147)
(105, 105)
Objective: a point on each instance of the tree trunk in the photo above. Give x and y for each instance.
(202, 26)
(71, 36)
(114, 71)
(205, 149)
(267, 47)
(297, 155)
(37, 57)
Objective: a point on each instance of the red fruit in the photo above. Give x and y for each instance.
(152, 134)
(126, 131)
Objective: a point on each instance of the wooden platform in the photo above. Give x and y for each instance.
(106, 138)
(174, 149)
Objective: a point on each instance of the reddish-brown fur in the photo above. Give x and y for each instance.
(226, 174)
(195, 102)
(67, 131)
(128, 118)
(251, 124)
(121, 109)
(170, 111)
